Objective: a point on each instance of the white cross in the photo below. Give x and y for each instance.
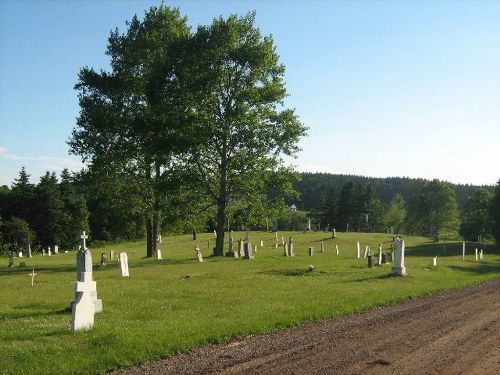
(84, 237)
(32, 275)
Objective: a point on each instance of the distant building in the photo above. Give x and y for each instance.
(292, 208)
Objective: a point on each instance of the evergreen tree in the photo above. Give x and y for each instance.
(495, 213)
(476, 218)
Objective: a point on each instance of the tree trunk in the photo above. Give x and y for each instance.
(221, 219)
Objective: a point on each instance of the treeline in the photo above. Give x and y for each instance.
(403, 205)
(57, 209)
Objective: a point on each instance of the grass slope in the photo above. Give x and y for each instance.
(169, 306)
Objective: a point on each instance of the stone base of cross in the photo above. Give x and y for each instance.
(83, 309)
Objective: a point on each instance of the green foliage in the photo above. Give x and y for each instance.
(241, 128)
(17, 235)
(292, 221)
(476, 218)
(433, 210)
(171, 306)
(396, 214)
(495, 213)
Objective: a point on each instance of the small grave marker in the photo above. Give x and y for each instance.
(124, 264)
(33, 274)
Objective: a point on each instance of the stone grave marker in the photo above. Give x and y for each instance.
(322, 247)
(83, 309)
(476, 254)
(337, 249)
(366, 251)
(358, 250)
(158, 254)
(11, 262)
(56, 249)
(311, 251)
(481, 254)
(33, 274)
(463, 250)
(84, 272)
(198, 253)
(285, 249)
(103, 259)
(49, 252)
(398, 267)
(241, 249)
(290, 247)
(434, 261)
(28, 251)
(334, 233)
(248, 251)
(124, 264)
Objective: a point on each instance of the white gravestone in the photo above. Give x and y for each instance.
(241, 249)
(285, 249)
(56, 249)
(463, 250)
(337, 249)
(158, 254)
(398, 267)
(358, 250)
(83, 308)
(434, 261)
(311, 251)
(111, 254)
(198, 253)
(290, 247)
(49, 253)
(334, 233)
(84, 266)
(28, 251)
(322, 247)
(124, 264)
(366, 251)
(481, 254)
(476, 254)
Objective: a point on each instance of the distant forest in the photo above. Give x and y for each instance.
(314, 187)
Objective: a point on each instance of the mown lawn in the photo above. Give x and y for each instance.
(168, 306)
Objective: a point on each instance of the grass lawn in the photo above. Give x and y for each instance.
(169, 306)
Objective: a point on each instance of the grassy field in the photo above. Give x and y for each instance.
(168, 306)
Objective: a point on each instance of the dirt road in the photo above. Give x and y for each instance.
(451, 332)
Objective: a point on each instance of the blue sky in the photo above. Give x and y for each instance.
(387, 88)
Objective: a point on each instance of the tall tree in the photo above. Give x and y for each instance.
(396, 213)
(241, 127)
(495, 213)
(23, 194)
(476, 219)
(129, 119)
(433, 209)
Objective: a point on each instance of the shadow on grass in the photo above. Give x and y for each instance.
(35, 314)
(481, 268)
(294, 273)
(443, 249)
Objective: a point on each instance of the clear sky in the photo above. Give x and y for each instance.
(387, 88)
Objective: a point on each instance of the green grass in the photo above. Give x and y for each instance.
(169, 306)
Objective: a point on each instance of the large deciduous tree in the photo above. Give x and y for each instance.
(242, 128)
(495, 213)
(476, 218)
(130, 117)
(433, 209)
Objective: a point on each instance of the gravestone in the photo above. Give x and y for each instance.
(56, 249)
(261, 243)
(322, 247)
(337, 249)
(20, 254)
(384, 258)
(434, 261)
(49, 252)
(398, 268)
(481, 254)
(198, 253)
(111, 254)
(32, 275)
(358, 250)
(476, 254)
(124, 264)
(308, 224)
(248, 251)
(158, 254)
(11, 262)
(311, 251)
(158, 238)
(28, 251)
(334, 233)
(84, 272)
(83, 309)
(285, 249)
(276, 244)
(463, 250)
(379, 256)
(290, 247)
(241, 249)
(370, 260)
(103, 259)
(366, 251)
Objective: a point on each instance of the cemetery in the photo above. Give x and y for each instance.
(138, 309)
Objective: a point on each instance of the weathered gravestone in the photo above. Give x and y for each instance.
(28, 251)
(358, 250)
(322, 247)
(290, 247)
(158, 254)
(198, 253)
(56, 249)
(49, 252)
(285, 249)
(337, 249)
(248, 251)
(434, 261)
(11, 262)
(103, 259)
(398, 268)
(311, 251)
(124, 264)
(334, 233)
(241, 249)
